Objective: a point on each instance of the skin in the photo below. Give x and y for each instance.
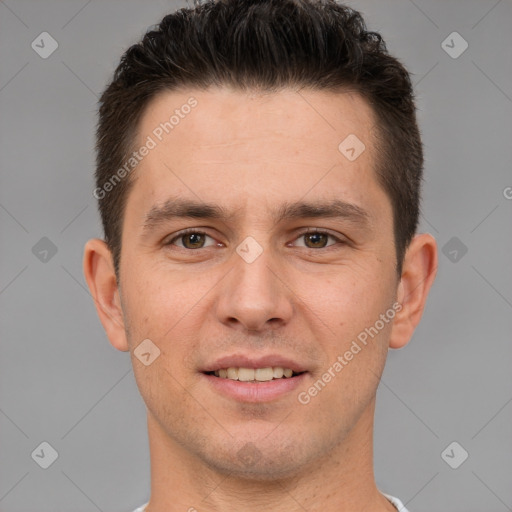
(302, 297)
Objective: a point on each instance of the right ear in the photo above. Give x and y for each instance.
(101, 279)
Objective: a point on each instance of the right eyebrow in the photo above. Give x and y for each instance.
(183, 208)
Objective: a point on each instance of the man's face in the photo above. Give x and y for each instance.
(252, 288)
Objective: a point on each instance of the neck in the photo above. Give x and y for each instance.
(340, 481)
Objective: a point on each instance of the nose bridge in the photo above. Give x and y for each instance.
(253, 268)
(254, 294)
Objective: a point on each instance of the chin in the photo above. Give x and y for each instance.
(258, 463)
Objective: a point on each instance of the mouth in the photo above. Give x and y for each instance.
(247, 380)
(255, 375)
(254, 378)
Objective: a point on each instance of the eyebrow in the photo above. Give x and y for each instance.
(187, 208)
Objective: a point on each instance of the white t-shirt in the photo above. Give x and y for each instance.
(395, 501)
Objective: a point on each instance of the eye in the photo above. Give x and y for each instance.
(316, 239)
(191, 239)
(194, 239)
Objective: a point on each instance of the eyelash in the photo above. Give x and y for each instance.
(302, 233)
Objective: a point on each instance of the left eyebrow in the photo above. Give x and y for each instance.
(323, 209)
(186, 208)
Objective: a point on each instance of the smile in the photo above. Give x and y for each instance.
(255, 385)
(254, 374)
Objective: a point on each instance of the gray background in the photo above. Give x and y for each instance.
(61, 381)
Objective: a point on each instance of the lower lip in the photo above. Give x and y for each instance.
(255, 391)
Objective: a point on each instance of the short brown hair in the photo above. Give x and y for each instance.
(264, 45)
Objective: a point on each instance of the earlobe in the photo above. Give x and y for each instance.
(100, 276)
(418, 274)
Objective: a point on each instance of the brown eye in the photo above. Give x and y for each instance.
(318, 240)
(190, 240)
(196, 240)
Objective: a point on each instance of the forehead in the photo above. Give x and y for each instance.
(223, 117)
(232, 146)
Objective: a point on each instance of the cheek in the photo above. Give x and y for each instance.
(150, 298)
(166, 308)
(353, 299)
(357, 308)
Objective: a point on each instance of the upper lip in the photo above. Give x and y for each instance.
(246, 361)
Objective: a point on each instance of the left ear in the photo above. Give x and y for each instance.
(418, 273)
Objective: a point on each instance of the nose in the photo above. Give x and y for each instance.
(255, 295)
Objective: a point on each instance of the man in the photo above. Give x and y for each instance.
(258, 176)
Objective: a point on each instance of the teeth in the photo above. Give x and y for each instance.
(245, 374)
(251, 374)
(263, 374)
(232, 373)
(278, 372)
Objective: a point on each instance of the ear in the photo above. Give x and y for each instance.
(101, 279)
(418, 274)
